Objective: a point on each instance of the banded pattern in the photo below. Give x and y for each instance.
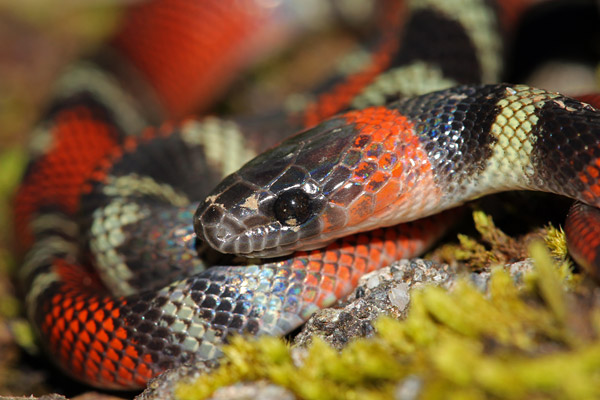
(122, 342)
(90, 186)
(390, 164)
(114, 272)
(469, 45)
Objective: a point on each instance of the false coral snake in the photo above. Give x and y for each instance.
(100, 194)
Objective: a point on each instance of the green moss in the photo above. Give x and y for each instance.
(474, 252)
(489, 232)
(508, 343)
(556, 241)
(491, 248)
(12, 162)
(24, 335)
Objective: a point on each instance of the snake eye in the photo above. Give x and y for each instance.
(293, 207)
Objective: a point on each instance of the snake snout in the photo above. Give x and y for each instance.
(218, 234)
(214, 226)
(232, 221)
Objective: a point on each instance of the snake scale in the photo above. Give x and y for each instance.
(112, 217)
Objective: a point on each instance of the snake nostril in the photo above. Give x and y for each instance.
(209, 216)
(221, 234)
(224, 235)
(209, 235)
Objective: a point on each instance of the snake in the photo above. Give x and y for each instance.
(125, 221)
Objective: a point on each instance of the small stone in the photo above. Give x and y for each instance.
(399, 296)
(409, 388)
(251, 391)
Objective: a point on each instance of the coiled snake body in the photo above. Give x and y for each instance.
(134, 198)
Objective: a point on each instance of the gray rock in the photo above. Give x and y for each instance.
(164, 385)
(386, 291)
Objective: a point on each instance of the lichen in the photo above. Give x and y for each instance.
(512, 342)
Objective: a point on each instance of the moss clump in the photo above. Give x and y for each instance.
(556, 241)
(12, 162)
(494, 247)
(508, 343)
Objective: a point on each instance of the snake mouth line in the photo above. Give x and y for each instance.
(269, 239)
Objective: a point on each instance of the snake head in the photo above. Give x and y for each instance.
(327, 182)
(272, 202)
